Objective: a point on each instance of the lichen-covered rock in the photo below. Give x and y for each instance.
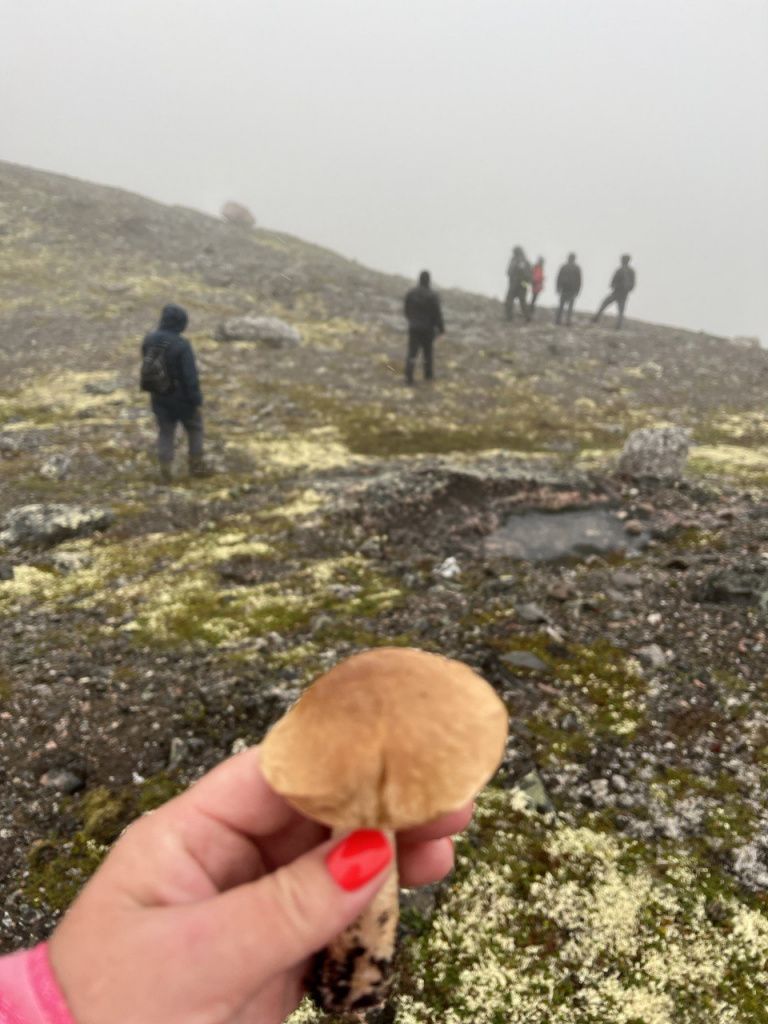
(269, 330)
(56, 466)
(236, 213)
(49, 524)
(658, 452)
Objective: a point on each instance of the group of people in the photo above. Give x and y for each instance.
(521, 275)
(425, 317)
(169, 372)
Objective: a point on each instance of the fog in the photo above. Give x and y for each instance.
(430, 134)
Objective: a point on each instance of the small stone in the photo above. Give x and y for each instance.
(178, 753)
(62, 780)
(618, 783)
(534, 792)
(56, 467)
(569, 722)
(634, 527)
(524, 660)
(448, 569)
(653, 618)
(561, 592)
(652, 656)
(532, 613)
(598, 789)
(626, 580)
(239, 745)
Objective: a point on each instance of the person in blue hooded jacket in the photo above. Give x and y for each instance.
(180, 399)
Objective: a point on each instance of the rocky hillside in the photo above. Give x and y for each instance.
(618, 867)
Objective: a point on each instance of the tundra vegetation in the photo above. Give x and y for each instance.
(134, 659)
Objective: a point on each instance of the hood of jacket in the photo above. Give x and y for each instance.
(173, 318)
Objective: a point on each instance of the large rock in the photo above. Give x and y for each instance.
(658, 452)
(49, 524)
(268, 330)
(236, 213)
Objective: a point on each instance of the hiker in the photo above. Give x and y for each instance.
(425, 323)
(519, 275)
(568, 287)
(537, 281)
(210, 909)
(169, 374)
(622, 283)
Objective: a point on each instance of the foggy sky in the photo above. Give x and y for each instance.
(428, 133)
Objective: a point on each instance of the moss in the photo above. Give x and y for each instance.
(549, 923)
(59, 866)
(59, 869)
(599, 684)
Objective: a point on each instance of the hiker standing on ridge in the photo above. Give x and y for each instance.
(425, 323)
(169, 374)
(519, 275)
(537, 281)
(622, 283)
(568, 287)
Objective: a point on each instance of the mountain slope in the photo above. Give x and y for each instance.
(134, 658)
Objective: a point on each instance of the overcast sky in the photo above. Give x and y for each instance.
(428, 133)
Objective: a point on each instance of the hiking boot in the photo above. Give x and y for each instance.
(166, 473)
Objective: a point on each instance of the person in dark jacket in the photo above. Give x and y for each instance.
(622, 283)
(519, 275)
(568, 287)
(182, 403)
(425, 323)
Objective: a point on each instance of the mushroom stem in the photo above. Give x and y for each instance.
(353, 972)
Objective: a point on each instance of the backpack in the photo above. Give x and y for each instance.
(155, 374)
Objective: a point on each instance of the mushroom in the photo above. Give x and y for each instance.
(388, 739)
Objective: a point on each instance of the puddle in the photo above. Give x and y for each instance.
(545, 536)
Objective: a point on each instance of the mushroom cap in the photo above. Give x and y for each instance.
(389, 738)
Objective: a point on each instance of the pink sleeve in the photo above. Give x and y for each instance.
(29, 993)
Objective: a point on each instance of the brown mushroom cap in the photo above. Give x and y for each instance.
(389, 738)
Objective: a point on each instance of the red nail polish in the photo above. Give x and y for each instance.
(359, 858)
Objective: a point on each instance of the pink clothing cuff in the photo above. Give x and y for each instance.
(29, 992)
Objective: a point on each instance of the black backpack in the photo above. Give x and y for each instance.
(155, 369)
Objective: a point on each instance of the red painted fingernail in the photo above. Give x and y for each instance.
(359, 858)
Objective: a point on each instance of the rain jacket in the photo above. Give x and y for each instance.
(422, 310)
(181, 361)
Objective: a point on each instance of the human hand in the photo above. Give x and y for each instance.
(208, 910)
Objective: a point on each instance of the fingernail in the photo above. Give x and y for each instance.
(359, 858)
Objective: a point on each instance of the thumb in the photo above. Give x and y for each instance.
(258, 930)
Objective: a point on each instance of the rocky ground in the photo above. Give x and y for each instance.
(618, 869)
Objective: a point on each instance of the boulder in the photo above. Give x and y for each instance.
(49, 524)
(657, 452)
(268, 330)
(236, 213)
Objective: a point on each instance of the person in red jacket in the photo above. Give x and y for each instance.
(537, 281)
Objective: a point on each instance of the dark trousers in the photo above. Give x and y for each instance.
(620, 299)
(420, 339)
(566, 304)
(519, 294)
(191, 420)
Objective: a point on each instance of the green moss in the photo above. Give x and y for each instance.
(598, 684)
(59, 866)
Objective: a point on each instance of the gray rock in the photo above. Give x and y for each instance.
(524, 660)
(178, 753)
(268, 330)
(533, 789)
(657, 452)
(50, 524)
(626, 580)
(652, 656)
(56, 467)
(236, 213)
(62, 780)
(532, 613)
(618, 783)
